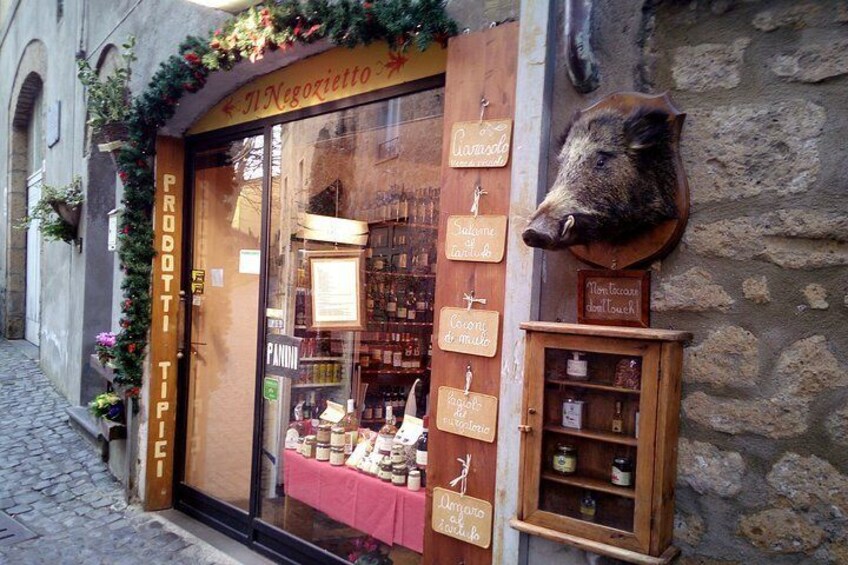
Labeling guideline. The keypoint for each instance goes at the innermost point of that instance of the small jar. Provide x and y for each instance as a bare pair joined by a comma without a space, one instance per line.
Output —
413,481
323,435
622,472
309,447
398,454
385,472
337,456
565,459
399,475
300,442
337,436
588,506
322,452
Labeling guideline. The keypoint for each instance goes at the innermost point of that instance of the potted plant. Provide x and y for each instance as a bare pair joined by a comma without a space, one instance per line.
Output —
107,405
57,211
108,99
103,344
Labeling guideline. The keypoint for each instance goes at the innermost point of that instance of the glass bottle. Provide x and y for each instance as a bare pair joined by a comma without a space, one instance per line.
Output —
391,304
588,506
411,306
617,419
401,305
386,435
350,423
421,452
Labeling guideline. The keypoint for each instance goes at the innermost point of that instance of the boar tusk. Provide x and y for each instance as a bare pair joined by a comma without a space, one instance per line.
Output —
569,223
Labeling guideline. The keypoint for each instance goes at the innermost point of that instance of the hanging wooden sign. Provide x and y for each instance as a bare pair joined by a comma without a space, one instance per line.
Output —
481,239
614,298
465,518
474,332
474,415
481,143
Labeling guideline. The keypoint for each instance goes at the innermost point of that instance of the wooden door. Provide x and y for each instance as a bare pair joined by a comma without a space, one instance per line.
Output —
32,325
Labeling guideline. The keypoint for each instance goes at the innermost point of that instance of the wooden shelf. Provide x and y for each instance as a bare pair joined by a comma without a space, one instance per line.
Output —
108,373
590,484
608,437
397,323
400,274
593,386
400,223
643,334
321,359
394,371
315,385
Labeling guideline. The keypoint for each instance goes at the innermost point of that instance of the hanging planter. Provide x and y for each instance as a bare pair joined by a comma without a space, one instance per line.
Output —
58,212
111,137
69,213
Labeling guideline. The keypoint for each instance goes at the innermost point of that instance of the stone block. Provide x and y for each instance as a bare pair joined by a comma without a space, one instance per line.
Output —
837,425
793,239
756,290
734,152
813,63
688,528
707,469
765,417
809,482
728,357
692,291
816,296
708,66
807,368
799,16
781,530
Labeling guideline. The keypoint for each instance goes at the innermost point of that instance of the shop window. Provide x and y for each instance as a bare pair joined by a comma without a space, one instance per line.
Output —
351,274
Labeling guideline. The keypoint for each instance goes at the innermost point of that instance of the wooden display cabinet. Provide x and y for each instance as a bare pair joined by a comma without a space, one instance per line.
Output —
632,523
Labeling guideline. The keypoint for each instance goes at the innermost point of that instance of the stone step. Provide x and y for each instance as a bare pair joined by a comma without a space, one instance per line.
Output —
81,419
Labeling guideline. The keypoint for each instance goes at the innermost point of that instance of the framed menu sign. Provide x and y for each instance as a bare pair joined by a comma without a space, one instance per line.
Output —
337,282
474,332
614,298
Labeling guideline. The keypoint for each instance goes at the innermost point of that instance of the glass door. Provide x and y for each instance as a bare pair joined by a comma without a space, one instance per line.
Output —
224,302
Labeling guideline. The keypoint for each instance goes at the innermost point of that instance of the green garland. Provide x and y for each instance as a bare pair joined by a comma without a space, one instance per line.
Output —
249,35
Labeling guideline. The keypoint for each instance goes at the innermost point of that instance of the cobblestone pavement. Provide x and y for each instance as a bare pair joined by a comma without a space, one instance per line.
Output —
54,483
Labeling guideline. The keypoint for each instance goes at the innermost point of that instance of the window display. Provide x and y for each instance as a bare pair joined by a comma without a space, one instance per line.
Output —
345,444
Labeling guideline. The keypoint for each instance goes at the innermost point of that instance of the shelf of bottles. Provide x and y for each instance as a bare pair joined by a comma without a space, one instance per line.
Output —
400,287
589,442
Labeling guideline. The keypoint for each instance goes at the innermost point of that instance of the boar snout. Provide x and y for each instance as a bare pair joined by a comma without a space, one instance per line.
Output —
548,232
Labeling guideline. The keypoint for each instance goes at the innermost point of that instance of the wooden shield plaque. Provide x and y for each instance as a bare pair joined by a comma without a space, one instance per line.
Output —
658,241
474,415
462,517
481,239
474,332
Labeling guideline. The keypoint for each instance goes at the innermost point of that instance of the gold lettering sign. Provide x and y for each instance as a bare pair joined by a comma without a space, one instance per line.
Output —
474,332
481,239
480,144
465,518
474,415
332,75
161,415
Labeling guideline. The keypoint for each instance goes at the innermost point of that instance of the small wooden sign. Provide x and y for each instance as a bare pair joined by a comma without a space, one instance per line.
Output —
465,518
474,332
481,239
474,415
614,298
480,143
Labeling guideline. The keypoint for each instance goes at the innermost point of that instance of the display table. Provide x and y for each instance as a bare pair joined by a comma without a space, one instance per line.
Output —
393,515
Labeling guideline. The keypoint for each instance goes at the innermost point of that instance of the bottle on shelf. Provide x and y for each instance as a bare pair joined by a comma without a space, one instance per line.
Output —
297,428
402,303
386,435
391,304
350,423
377,412
411,310
617,419
397,352
421,452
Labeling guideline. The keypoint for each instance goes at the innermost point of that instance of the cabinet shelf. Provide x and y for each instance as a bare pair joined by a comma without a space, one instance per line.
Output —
594,435
394,371
315,385
398,274
590,484
593,386
321,359
397,323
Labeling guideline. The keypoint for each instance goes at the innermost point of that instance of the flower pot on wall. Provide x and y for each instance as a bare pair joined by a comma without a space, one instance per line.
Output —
70,214
111,137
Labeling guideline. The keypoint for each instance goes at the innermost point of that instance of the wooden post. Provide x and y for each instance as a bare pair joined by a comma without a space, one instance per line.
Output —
479,65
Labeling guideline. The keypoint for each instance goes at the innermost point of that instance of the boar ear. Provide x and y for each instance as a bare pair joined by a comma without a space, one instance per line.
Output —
646,128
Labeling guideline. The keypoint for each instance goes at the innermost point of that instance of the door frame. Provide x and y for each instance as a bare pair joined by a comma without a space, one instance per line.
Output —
248,528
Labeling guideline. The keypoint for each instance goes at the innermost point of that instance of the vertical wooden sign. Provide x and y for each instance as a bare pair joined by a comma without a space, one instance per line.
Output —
479,64
162,388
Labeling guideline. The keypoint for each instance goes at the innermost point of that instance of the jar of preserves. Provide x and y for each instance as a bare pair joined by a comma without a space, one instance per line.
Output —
324,431
398,454
622,472
309,447
337,436
337,456
399,475
385,472
565,459
322,452
413,481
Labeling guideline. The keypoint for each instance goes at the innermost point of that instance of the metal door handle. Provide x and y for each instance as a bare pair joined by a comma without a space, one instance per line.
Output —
181,326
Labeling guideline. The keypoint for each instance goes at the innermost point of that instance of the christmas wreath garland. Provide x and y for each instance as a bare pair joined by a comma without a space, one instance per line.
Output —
248,36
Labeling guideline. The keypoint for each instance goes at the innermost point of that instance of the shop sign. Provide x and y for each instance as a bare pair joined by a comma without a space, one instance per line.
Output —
481,239
471,415
164,329
614,298
481,143
270,388
333,75
474,332
465,518
282,355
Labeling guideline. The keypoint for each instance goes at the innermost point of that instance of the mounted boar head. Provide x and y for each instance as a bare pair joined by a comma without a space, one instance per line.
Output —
616,178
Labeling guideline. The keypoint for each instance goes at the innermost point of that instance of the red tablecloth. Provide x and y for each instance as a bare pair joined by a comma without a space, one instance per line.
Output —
393,515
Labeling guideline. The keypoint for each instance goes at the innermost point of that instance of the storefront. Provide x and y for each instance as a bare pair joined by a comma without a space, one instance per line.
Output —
299,231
